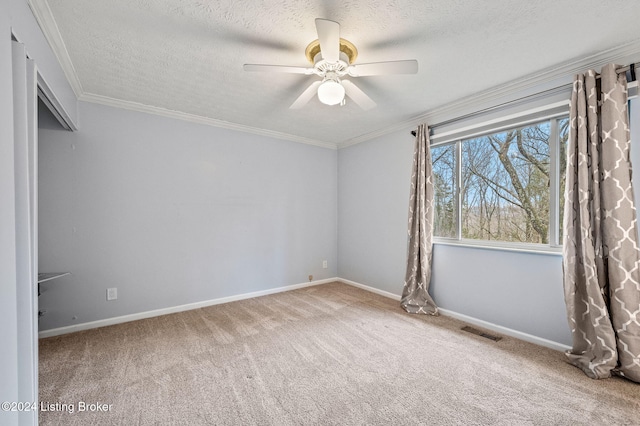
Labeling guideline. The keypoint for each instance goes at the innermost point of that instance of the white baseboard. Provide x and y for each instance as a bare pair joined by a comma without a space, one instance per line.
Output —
171,310
371,289
471,320
506,331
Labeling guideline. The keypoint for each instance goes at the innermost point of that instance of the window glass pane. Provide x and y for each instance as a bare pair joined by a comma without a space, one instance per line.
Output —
443,160
505,185
563,131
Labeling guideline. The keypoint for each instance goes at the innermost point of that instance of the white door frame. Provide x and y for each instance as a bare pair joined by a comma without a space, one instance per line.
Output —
28,86
25,126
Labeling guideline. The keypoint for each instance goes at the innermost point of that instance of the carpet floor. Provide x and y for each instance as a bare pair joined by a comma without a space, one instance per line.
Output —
325,355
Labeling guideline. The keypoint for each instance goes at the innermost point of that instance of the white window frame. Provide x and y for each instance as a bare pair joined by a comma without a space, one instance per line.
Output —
456,134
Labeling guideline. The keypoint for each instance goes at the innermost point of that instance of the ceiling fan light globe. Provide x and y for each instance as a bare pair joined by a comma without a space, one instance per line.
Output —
331,92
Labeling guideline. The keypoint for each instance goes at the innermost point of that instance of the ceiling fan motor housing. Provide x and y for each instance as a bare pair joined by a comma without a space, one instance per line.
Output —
339,68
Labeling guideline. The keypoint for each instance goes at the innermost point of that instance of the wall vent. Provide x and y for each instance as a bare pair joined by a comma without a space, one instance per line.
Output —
481,333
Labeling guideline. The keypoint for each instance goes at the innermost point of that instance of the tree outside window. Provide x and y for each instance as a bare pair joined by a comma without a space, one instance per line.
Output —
505,185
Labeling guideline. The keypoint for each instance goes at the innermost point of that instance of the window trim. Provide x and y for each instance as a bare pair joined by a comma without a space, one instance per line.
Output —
554,184
523,119
500,245
551,112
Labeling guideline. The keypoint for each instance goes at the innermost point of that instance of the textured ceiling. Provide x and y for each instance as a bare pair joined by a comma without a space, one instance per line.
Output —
187,55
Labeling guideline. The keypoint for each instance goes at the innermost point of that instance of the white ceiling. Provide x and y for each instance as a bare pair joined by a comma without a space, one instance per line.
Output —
187,55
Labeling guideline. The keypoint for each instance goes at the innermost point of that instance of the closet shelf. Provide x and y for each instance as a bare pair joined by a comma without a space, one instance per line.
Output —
48,276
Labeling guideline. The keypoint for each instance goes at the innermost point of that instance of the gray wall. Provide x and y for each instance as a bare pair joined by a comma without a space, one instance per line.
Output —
521,291
373,201
171,213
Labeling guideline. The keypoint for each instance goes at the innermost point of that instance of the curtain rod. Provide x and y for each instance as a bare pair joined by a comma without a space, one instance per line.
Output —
631,68
498,106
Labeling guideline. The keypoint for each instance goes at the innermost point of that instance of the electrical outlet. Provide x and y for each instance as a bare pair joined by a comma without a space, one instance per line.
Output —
310,278
325,264
112,293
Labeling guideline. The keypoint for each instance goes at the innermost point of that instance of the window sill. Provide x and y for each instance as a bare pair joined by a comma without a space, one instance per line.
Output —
503,246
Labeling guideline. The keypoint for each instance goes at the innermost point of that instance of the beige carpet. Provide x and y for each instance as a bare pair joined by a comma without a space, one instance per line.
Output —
326,355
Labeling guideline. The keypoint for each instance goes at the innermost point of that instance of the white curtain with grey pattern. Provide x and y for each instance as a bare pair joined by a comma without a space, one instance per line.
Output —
415,294
601,258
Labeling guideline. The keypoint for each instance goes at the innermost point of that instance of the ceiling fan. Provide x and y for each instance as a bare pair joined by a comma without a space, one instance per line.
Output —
332,58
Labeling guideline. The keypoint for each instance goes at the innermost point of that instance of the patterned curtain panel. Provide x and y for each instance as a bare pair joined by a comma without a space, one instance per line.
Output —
601,257
415,294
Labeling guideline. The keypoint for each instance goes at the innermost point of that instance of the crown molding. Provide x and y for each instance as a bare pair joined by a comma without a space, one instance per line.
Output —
49,27
550,78
135,106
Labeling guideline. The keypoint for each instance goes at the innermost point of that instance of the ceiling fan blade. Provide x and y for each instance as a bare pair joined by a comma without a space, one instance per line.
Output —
358,96
329,37
278,68
409,66
306,96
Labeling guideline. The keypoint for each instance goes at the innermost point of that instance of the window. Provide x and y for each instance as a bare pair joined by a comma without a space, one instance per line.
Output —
503,187
444,197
